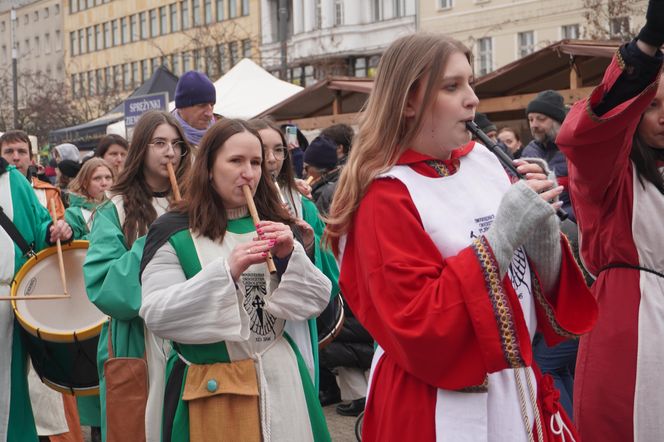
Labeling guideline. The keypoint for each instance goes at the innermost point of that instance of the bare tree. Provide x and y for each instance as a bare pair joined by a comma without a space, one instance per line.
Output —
610,19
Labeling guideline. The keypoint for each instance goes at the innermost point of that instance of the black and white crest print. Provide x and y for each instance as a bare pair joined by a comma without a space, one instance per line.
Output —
262,322
517,273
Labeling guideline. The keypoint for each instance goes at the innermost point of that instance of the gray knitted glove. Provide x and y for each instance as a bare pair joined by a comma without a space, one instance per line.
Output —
520,213
543,249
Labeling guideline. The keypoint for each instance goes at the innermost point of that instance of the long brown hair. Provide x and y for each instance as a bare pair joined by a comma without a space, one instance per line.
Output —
286,176
207,214
79,185
384,134
131,184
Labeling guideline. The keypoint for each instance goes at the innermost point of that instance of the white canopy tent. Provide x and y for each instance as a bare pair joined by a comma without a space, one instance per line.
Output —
243,92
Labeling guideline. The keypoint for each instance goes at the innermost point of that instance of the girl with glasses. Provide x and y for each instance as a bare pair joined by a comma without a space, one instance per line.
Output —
141,194
206,287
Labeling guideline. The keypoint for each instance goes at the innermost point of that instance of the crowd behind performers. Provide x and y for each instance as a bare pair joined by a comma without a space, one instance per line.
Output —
469,318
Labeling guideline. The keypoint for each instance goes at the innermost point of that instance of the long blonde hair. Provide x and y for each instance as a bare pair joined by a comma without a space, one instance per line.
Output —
80,184
384,134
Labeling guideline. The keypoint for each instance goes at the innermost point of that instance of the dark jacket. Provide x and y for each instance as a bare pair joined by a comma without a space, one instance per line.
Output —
557,162
322,191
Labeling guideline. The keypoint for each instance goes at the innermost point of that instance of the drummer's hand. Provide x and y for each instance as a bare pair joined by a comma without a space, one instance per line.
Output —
307,233
303,187
247,254
280,233
60,231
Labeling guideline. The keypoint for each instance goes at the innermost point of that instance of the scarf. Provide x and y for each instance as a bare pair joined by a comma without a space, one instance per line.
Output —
192,134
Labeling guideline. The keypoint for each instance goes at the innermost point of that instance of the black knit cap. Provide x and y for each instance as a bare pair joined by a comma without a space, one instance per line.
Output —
484,123
549,103
321,153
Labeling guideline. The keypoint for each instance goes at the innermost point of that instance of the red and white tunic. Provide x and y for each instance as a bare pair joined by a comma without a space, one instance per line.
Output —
454,340
618,394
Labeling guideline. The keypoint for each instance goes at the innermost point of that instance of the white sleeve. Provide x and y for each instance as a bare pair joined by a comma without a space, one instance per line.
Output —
303,292
202,310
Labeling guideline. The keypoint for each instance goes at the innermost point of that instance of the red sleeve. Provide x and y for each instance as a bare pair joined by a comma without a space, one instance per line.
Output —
571,310
435,317
598,148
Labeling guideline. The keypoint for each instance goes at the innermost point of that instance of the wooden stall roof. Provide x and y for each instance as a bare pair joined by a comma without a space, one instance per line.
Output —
572,67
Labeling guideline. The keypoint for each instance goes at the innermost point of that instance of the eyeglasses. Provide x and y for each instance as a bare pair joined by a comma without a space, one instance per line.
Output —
279,152
162,146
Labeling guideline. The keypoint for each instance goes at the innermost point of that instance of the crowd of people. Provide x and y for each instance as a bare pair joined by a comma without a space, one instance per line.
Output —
251,276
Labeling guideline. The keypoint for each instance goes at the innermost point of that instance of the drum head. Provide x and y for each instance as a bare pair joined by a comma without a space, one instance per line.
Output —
56,319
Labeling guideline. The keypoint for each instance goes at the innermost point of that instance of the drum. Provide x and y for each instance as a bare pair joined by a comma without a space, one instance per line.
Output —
61,335
330,321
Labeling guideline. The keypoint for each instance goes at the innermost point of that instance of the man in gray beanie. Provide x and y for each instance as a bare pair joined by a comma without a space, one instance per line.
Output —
195,97
545,113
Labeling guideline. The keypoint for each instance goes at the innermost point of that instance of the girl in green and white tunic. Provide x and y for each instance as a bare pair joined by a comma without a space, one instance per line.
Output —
86,192
141,194
235,373
307,217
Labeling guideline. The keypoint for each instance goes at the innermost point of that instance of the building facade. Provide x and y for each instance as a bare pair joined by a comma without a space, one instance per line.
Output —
501,31
38,31
112,46
333,37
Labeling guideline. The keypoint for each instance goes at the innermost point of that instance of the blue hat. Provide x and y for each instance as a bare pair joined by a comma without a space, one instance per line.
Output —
321,153
194,88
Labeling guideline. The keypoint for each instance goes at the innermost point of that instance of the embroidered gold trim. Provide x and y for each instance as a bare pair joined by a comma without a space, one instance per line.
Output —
500,303
481,388
620,60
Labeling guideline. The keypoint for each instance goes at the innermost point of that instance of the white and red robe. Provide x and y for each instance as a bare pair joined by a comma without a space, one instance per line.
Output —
420,276
618,394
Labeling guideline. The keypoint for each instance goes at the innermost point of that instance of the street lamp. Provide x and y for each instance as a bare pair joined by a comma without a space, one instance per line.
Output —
14,64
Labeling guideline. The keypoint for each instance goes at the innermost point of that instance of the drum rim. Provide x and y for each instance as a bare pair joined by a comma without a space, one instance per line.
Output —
50,336
74,391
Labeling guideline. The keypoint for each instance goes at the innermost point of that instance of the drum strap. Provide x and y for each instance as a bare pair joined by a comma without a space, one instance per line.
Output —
7,224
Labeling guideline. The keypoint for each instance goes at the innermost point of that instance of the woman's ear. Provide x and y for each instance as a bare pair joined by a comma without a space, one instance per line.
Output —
410,110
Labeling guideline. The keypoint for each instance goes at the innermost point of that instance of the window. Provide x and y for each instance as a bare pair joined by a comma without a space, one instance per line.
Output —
221,53
444,4
27,47
186,62
184,8
399,8
73,6
619,27
2,26
484,55
91,38
154,64
37,46
135,74
109,83
196,11
338,12
26,19
58,41
100,81
569,32
211,66
116,84
73,85
173,9
175,64
108,37
91,83
233,52
145,73
245,7
154,24
81,41
46,12
56,9
47,43
143,23
318,23
309,77
525,43
208,11
232,8
116,33
163,20
133,27
376,10
220,10
90,3
246,48
99,32
197,60
73,43
36,16
126,76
